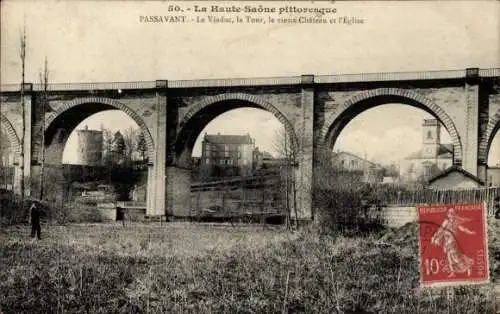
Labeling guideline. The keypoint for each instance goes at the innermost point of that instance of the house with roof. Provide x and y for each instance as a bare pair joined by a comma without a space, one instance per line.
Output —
433,156
454,178
225,155
368,171
346,161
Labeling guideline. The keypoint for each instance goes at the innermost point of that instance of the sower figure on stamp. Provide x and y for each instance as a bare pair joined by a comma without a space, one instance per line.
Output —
35,221
456,261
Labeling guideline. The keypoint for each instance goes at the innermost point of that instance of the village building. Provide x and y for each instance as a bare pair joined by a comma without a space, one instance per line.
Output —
368,171
432,158
229,154
454,178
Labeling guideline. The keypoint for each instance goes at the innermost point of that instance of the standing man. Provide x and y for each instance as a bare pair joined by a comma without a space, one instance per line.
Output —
35,221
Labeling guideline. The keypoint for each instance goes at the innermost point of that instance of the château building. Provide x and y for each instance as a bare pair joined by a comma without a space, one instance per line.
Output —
225,152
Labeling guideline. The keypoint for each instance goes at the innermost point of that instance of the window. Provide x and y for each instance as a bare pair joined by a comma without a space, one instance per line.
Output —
244,161
226,148
427,170
429,135
207,161
226,153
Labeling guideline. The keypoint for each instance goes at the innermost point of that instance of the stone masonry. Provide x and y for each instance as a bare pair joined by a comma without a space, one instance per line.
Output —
313,110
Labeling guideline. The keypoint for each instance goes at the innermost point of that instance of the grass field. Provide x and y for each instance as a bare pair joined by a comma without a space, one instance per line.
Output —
197,268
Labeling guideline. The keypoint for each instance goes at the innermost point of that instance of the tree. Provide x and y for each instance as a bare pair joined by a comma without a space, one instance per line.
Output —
141,146
22,54
129,139
118,148
44,78
286,153
107,140
282,144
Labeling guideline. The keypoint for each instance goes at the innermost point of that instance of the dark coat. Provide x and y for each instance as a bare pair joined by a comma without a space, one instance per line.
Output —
35,214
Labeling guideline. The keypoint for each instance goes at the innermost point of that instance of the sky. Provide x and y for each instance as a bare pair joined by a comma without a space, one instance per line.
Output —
263,124
90,41
382,143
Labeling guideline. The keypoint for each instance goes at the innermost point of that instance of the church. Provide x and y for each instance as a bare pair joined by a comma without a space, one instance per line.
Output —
432,158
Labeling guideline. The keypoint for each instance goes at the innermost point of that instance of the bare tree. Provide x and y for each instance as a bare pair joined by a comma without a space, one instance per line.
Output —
129,138
44,79
22,54
287,154
107,139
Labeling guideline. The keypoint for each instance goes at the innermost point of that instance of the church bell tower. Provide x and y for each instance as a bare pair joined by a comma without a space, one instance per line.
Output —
431,138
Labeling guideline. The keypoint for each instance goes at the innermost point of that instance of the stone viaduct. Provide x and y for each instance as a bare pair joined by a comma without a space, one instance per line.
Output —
313,110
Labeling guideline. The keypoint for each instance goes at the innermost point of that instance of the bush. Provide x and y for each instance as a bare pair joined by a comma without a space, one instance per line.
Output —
346,211
13,211
344,203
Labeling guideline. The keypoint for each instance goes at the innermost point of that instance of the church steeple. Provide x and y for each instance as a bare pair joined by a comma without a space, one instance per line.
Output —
431,137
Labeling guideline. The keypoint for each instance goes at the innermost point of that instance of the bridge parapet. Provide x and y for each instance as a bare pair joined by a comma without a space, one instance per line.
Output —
262,81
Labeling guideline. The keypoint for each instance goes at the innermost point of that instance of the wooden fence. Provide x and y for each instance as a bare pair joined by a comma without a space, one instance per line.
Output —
236,197
236,183
427,196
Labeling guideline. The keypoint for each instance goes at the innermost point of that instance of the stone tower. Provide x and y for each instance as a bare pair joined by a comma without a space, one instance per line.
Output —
431,138
89,151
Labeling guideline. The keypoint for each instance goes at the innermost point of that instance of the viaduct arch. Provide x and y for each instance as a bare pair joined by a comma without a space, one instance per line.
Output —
101,103
12,136
209,108
485,144
190,127
372,98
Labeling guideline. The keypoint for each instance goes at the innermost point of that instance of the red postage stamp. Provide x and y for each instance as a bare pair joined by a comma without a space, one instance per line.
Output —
453,244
